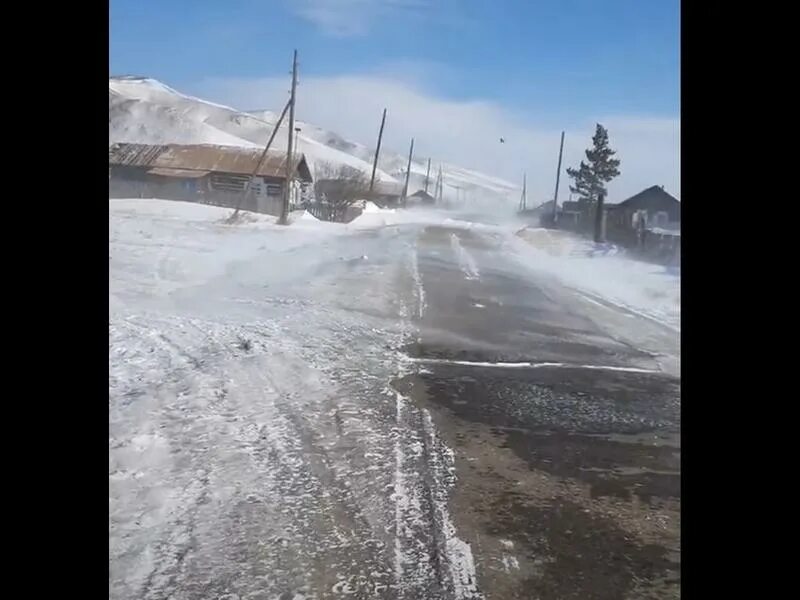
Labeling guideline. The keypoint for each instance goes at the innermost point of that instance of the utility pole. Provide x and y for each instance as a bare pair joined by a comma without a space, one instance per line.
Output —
408,172
246,189
427,175
377,152
284,219
441,186
294,160
558,176
523,200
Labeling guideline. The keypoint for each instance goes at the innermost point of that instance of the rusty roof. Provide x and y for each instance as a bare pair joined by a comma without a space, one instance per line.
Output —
205,157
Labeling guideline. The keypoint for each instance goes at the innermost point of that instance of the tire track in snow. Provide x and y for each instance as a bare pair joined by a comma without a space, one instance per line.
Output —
460,564
261,424
420,290
324,514
431,561
296,439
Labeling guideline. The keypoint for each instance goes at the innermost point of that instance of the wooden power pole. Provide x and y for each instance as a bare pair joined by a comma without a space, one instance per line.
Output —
377,152
440,195
427,175
558,176
408,172
284,219
249,183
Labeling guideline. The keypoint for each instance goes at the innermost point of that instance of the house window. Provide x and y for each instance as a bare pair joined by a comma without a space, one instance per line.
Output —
229,183
661,219
274,189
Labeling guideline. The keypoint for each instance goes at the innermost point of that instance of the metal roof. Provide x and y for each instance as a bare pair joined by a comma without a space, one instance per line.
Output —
208,158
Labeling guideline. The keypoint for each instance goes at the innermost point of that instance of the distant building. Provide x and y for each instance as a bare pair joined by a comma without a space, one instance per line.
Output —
202,173
650,222
541,214
571,215
386,194
541,209
652,208
422,197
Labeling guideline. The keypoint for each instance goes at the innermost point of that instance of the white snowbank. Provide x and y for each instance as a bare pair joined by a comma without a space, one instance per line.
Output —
663,231
371,207
602,272
367,220
302,215
374,216
175,209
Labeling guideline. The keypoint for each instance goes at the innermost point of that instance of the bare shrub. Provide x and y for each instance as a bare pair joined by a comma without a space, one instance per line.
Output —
338,187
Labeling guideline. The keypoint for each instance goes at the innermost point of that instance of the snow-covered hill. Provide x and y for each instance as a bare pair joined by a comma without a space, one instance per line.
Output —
472,183
144,110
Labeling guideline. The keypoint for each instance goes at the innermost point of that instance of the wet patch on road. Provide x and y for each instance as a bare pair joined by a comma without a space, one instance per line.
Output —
588,516
566,400
565,438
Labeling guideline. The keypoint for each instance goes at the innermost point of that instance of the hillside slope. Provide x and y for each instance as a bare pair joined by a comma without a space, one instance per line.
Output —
145,110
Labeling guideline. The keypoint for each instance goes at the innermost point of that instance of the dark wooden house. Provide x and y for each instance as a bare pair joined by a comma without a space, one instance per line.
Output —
650,208
386,194
572,215
650,222
202,173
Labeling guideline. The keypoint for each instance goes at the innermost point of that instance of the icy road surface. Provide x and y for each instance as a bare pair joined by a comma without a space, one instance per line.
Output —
275,429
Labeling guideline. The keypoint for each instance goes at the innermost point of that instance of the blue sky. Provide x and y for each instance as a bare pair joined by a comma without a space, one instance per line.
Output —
542,63
551,56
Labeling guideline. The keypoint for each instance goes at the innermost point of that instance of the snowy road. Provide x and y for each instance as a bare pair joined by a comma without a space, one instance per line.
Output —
387,412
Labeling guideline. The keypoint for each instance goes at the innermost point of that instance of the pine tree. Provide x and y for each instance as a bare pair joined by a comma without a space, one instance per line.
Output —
589,179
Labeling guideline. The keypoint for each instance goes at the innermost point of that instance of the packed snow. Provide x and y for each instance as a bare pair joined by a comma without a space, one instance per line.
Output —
255,441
